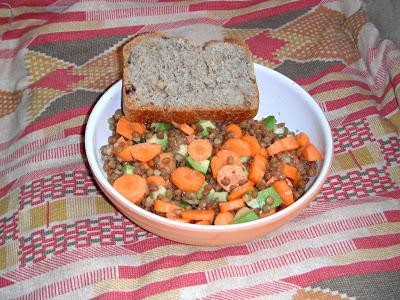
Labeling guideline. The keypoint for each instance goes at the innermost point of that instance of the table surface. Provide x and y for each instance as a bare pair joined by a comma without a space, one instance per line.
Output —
60,237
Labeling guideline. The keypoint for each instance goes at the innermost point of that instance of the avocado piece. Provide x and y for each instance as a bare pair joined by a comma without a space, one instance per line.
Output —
244,159
199,165
244,215
163,142
262,196
183,204
161,126
269,122
161,191
217,196
183,150
206,124
127,169
200,191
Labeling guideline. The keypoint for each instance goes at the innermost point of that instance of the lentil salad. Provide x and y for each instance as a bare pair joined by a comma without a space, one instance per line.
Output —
210,173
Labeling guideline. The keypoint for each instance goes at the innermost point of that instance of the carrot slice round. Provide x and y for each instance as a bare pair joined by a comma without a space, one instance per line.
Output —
187,180
167,160
133,187
200,149
156,180
145,151
241,147
231,205
230,175
199,215
223,218
221,159
126,128
254,144
311,153
165,207
241,190
235,129
257,168
290,172
303,139
284,192
121,150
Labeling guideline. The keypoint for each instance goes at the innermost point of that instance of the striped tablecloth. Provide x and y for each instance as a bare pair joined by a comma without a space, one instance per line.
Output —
59,236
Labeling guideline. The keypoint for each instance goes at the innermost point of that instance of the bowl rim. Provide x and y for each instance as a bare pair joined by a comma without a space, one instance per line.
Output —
313,189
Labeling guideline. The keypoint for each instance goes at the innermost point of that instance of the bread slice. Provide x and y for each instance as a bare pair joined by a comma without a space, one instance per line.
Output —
168,79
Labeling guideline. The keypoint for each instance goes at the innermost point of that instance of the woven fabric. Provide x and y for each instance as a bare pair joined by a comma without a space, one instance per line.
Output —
60,237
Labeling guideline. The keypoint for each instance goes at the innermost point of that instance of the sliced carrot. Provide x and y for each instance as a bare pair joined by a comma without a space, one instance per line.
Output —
223,218
241,147
257,168
184,127
231,205
264,152
165,207
235,129
145,151
199,215
133,187
204,222
254,144
221,159
268,213
187,180
284,192
302,139
156,180
126,128
311,153
290,172
230,175
174,217
167,161
241,190
121,150
200,149
288,143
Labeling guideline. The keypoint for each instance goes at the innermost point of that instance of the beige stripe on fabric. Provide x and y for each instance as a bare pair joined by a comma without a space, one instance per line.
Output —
387,228
155,276
368,254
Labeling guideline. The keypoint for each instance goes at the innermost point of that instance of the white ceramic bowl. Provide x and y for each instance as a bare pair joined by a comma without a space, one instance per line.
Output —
279,96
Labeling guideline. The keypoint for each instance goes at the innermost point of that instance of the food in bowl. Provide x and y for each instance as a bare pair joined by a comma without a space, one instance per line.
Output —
209,172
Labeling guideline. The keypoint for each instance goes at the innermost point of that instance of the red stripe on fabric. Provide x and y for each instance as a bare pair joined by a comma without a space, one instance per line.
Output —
43,123
5,189
8,53
392,215
272,11
191,279
29,16
338,84
16,33
5,282
331,272
148,244
222,5
379,241
32,3
77,130
80,35
129,272
392,194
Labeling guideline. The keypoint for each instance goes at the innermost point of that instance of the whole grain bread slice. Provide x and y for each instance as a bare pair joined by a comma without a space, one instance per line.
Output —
169,79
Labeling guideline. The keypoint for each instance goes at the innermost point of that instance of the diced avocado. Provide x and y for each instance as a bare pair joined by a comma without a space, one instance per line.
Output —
161,126
127,169
244,215
161,191
269,122
244,159
163,142
262,196
199,165
251,216
200,191
280,129
183,204
206,124
217,196
183,150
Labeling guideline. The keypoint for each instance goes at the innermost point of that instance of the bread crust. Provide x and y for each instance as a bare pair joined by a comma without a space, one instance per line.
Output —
144,114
